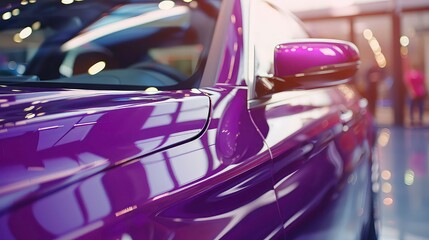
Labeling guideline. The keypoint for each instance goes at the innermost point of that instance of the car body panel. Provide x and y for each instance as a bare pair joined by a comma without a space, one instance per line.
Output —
300,131
63,135
319,152
215,186
291,165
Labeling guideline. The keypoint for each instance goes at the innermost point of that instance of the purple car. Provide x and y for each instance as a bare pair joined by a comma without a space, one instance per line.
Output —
206,119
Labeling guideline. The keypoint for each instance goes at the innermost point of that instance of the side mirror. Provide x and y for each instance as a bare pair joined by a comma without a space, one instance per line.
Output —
308,64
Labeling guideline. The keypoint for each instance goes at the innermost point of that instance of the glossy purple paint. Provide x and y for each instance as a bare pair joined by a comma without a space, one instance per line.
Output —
291,59
59,134
185,164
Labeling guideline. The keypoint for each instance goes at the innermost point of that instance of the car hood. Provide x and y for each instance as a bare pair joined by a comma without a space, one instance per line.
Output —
51,137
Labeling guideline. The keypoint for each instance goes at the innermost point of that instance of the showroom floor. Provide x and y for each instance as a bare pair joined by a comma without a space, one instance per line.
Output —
404,189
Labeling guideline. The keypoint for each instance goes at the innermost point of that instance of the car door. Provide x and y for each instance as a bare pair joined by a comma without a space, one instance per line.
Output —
215,185
316,137
321,162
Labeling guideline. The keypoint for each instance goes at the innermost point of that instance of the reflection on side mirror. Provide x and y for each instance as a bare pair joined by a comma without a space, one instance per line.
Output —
309,64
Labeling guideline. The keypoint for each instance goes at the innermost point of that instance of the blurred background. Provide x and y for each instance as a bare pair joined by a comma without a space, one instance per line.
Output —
393,39
392,36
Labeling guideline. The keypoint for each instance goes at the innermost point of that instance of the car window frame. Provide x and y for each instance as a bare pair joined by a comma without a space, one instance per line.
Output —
250,44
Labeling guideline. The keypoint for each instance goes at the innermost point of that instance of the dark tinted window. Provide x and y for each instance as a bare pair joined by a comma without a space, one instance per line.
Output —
140,43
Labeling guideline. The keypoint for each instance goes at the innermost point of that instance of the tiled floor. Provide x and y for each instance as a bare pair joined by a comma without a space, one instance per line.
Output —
404,191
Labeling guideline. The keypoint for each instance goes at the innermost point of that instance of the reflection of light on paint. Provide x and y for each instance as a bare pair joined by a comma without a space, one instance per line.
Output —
384,137
91,112
29,108
327,52
405,41
84,124
233,19
30,115
20,123
126,210
50,127
386,188
126,236
161,196
386,175
151,90
409,177
24,2
96,68
36,168
194,90
388,201
367,34
166,4
187,1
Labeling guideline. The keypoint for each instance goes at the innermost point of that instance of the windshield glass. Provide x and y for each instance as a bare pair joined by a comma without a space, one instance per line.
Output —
113,43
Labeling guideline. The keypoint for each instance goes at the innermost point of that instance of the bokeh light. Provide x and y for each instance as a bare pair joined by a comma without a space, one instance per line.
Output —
166,4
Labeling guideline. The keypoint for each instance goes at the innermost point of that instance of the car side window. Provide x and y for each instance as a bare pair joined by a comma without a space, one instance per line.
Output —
272,24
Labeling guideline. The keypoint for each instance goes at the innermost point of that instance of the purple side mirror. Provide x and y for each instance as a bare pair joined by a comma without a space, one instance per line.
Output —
309,64
313,56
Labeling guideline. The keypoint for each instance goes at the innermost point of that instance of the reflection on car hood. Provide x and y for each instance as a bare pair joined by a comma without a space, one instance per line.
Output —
50,137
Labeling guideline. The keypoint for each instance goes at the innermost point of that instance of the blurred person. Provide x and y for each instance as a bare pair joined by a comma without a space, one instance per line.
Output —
415,84
374,75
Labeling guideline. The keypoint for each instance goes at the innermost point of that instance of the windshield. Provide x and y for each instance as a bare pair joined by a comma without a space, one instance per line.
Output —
72,43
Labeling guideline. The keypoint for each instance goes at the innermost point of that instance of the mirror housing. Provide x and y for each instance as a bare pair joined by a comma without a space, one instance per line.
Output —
309,64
